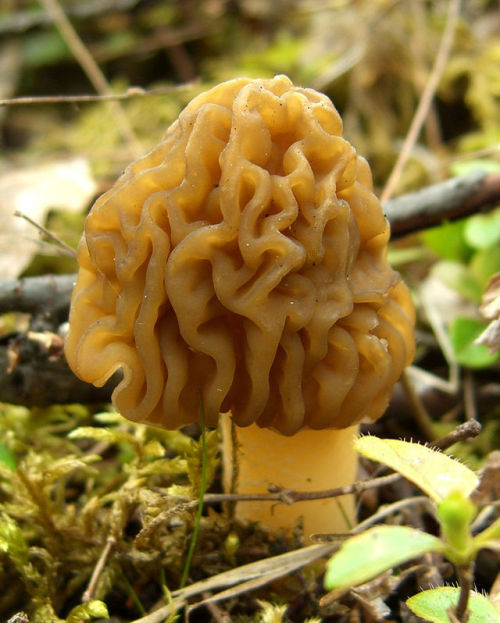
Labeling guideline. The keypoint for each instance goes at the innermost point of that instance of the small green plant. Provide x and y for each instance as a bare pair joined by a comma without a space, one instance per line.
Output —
469,254
449,485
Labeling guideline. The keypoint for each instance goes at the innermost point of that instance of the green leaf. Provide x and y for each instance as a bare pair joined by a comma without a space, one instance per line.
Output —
463,167
7,458
455,514
460,278
448,241
432,606
484,264
44,48
483,230
463,333
366,555
489,537
91,610
434,472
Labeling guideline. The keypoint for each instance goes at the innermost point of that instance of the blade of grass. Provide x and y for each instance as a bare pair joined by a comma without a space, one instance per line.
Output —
133,595
91,69
426,97
203,486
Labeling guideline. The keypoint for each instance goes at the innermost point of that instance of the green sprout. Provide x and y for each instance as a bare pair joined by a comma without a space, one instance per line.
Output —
449,485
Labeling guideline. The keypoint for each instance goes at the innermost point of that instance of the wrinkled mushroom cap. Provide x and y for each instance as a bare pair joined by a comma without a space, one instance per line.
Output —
243,260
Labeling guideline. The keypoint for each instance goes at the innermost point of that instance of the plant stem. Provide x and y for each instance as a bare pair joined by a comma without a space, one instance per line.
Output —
426,98
465,578
203,487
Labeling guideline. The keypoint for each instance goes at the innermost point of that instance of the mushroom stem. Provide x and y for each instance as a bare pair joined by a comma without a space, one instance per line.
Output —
310,460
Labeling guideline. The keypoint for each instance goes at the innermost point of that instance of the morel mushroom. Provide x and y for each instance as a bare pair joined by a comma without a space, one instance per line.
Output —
243,260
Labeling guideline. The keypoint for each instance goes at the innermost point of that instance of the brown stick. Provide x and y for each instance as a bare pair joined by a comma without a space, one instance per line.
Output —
130,93
456,198
426,98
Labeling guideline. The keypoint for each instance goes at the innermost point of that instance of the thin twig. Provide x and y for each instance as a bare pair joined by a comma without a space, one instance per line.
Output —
219,616
130,93
287,496
419,412
66,249
467,430
426,98
88,595
91,69
381,514
469,393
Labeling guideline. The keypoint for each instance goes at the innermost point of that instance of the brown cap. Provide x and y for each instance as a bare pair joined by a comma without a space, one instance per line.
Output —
243,260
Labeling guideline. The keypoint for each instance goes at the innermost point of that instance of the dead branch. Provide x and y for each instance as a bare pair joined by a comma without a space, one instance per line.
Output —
447,201
426,98
130,93
48,295
33,372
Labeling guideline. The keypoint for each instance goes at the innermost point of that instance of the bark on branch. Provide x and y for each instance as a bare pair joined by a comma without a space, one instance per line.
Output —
456,198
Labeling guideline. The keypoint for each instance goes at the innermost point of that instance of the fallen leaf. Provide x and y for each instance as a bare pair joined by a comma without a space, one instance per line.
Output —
490,308
34,192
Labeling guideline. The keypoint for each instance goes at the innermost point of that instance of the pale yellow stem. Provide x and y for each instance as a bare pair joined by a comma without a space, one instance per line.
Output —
308,461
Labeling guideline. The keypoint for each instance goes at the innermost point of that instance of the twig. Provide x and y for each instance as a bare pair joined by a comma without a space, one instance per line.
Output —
381,514
65,248
470,406
41,376
130,93
467,430
35,295
455,198
426,98
88,595
287,496
220,616
91,69
417,407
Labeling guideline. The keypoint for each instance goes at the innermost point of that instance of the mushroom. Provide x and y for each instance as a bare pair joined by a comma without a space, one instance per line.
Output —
243,260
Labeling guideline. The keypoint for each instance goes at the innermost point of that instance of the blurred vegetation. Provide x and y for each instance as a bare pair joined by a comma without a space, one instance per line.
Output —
371,58
64,493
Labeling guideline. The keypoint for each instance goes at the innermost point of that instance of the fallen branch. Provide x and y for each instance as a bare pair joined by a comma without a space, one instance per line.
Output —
456,198
46,296
34,372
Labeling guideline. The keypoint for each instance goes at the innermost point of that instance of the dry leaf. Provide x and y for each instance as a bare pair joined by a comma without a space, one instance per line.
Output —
35,191
490,308
248,577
